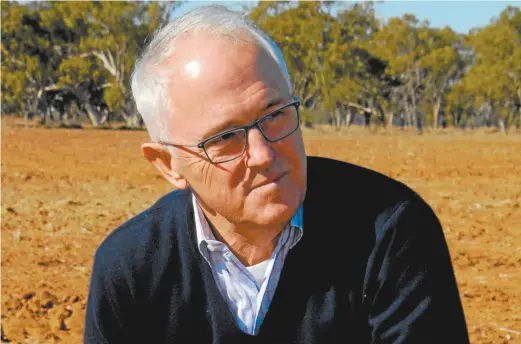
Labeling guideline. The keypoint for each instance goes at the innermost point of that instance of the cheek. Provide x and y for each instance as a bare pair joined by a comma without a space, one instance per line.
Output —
295,156
198,173
293,151
221,181
207,173
236,174
299,145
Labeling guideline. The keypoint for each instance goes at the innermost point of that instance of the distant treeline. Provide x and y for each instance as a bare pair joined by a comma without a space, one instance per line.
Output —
75,58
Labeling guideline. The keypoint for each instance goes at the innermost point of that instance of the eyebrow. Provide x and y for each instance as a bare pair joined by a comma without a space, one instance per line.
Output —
235,124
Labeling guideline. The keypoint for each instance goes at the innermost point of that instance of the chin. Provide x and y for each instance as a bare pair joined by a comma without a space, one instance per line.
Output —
273,213
273,205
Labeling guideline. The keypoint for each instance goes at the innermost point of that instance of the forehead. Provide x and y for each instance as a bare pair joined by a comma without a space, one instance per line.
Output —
215,80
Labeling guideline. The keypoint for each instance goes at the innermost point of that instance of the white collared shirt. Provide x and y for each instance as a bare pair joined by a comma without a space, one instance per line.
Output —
248,291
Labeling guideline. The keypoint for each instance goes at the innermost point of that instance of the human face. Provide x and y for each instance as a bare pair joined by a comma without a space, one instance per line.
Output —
218,85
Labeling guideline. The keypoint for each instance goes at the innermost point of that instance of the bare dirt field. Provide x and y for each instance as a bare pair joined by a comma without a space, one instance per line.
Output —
64,190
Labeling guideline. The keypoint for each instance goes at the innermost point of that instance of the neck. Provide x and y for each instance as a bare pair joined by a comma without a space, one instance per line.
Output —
249,243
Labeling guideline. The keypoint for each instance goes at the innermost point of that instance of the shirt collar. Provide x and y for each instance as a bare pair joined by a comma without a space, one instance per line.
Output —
204,233
298,219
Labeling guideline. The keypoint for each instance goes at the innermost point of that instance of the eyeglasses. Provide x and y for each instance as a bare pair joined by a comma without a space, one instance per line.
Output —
231,144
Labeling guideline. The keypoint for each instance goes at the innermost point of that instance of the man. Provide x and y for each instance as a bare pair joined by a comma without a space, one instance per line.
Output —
259,243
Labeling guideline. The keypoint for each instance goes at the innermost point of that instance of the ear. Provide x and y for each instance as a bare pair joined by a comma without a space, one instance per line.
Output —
161,158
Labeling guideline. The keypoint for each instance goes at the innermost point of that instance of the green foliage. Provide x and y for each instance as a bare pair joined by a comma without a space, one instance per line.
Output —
114,97
25,64
495,77
325,59
108,46
298,31
338,60
48,45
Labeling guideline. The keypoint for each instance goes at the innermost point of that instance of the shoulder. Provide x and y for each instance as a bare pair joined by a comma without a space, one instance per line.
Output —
364,212
342,194
142,238
346,183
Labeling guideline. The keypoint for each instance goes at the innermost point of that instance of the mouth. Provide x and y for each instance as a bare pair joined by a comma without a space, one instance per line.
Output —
271,180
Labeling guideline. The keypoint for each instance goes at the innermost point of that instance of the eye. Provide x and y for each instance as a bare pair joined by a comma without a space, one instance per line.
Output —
231,139
275,115
227,136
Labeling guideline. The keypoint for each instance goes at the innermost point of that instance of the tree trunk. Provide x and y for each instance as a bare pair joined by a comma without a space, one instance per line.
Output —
517,118
137,121
390,117
31,109
419,125
517,114
416,115
502,124
436,112
367,119
402,121
131,115
413,118
104,115
350,116
34,105
132,119
407,115
338,118
383,117
44,113
93,115
46,116
75,111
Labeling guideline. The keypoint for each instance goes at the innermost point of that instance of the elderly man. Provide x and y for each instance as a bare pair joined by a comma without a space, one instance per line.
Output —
259,243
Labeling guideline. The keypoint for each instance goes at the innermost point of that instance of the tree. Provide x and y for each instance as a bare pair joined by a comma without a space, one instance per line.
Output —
301,33
495,78
329,68
350,74
443,65
116,32
48,45
32,49
401,43
459,106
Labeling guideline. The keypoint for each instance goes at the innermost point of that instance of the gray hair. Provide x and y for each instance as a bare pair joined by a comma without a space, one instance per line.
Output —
149,83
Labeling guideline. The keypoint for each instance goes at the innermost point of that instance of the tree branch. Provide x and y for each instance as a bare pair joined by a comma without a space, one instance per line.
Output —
110,57
359,107
106,63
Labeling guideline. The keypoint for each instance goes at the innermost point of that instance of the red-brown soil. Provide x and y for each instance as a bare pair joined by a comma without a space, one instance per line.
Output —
64,190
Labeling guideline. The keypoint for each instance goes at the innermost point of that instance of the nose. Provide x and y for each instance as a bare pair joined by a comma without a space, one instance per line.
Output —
259,152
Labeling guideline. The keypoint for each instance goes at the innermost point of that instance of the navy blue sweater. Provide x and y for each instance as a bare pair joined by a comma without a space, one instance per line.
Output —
372,267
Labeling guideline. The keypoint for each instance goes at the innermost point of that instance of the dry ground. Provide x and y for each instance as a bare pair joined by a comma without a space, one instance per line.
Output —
64,190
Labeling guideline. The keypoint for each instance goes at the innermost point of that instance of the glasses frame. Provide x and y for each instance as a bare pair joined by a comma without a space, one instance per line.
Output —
256,124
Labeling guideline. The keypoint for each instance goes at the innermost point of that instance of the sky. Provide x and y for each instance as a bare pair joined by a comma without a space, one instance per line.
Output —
460,15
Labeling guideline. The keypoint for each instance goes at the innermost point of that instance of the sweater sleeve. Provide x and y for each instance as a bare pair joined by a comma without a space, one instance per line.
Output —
109,303
410,293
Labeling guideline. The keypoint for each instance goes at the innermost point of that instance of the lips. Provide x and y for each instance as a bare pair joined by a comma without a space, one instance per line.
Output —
271,180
